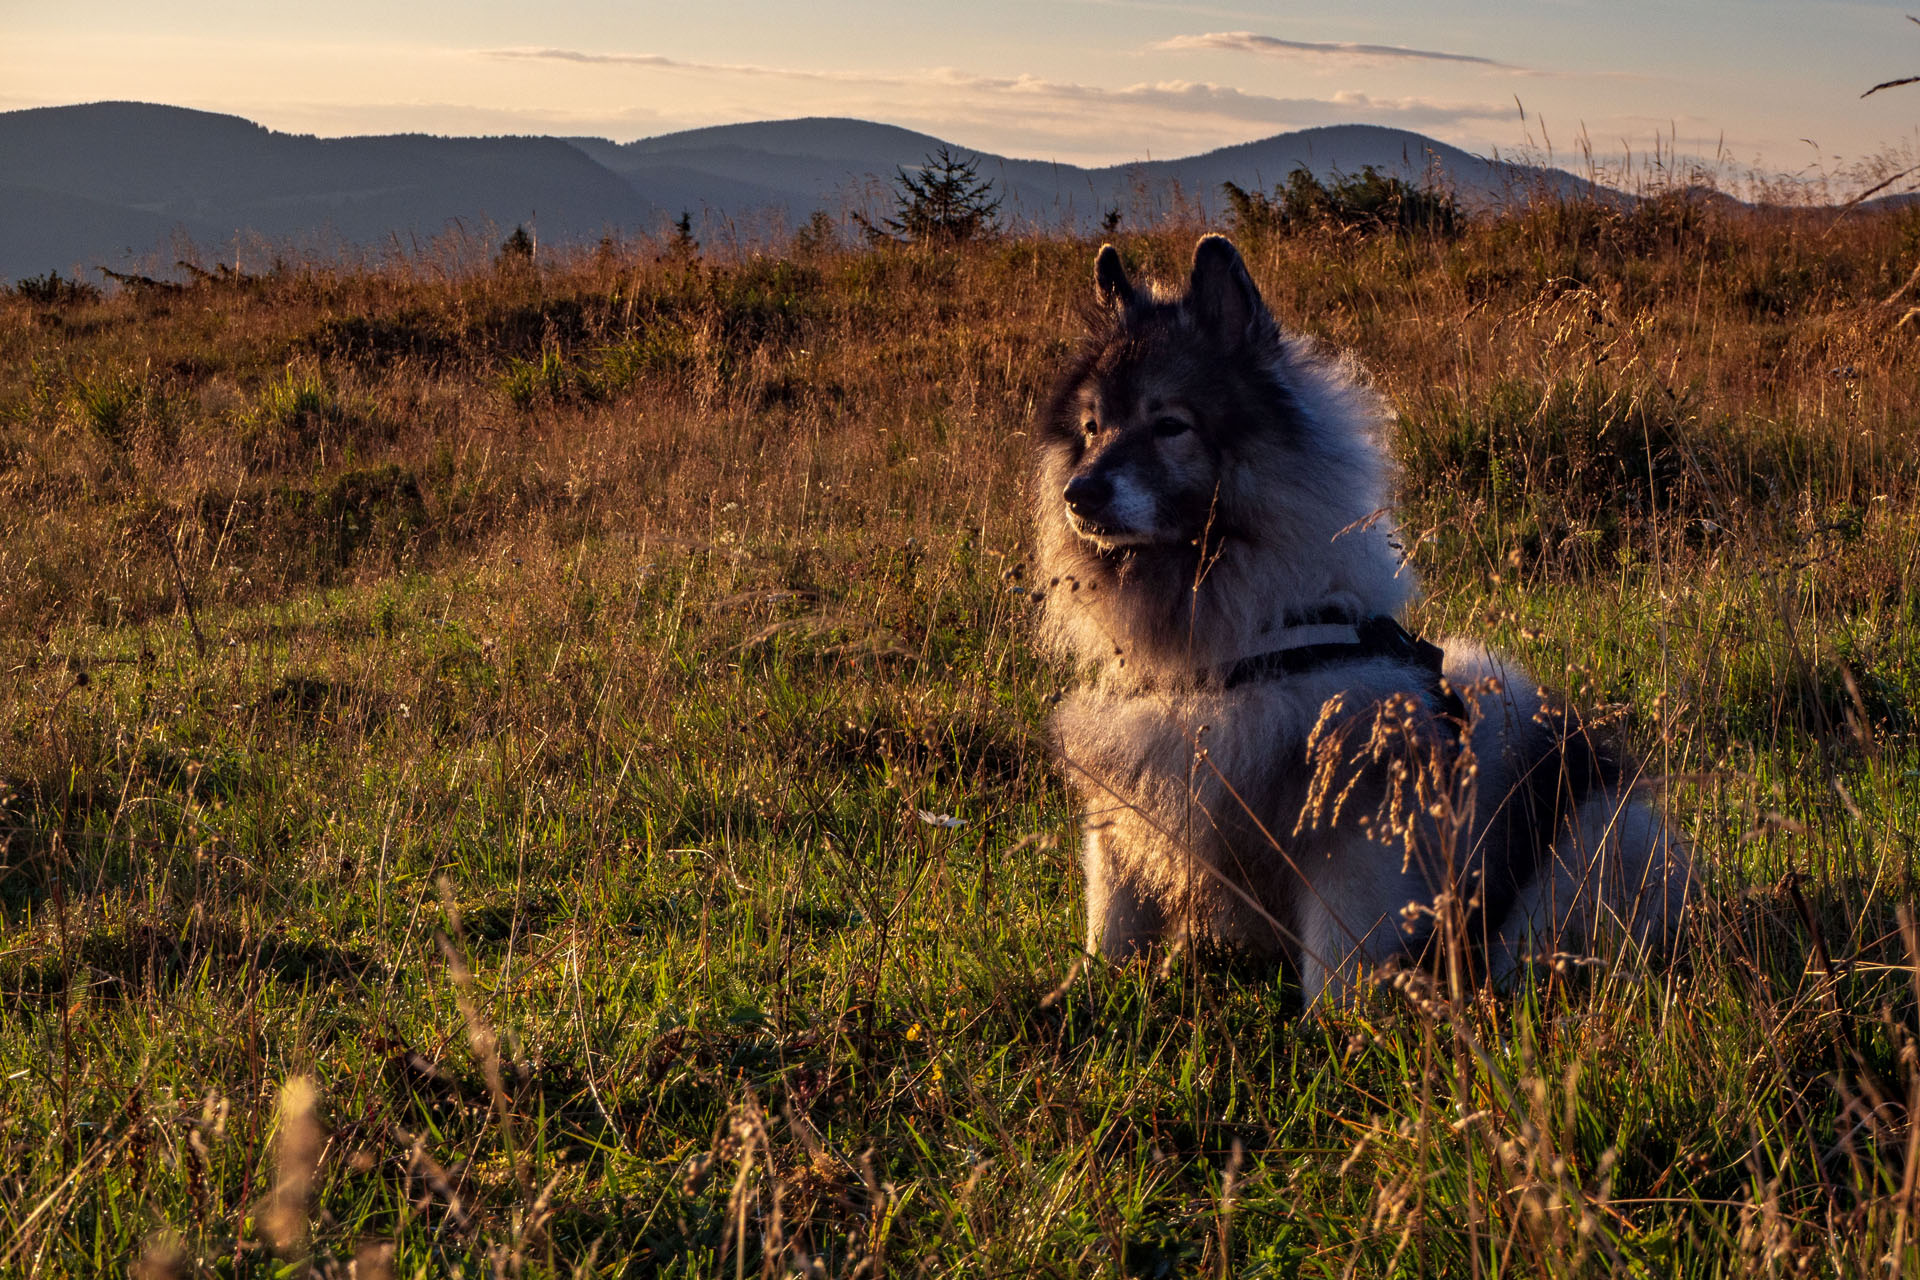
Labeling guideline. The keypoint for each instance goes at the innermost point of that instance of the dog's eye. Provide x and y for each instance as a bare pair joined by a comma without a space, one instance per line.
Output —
1167,428
1090,428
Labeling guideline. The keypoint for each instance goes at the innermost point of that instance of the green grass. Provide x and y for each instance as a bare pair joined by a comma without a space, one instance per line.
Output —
559,781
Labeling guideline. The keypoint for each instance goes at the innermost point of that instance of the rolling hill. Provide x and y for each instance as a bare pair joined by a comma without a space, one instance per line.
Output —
120,183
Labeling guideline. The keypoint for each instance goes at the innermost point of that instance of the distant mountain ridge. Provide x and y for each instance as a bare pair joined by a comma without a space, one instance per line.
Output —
820,157
216,176
112,183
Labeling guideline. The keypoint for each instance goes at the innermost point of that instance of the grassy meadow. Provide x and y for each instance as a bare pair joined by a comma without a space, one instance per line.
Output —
538,769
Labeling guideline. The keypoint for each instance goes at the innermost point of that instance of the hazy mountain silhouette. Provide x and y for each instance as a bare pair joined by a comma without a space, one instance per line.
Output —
1350,148
816,162
115,183
822,162
215,176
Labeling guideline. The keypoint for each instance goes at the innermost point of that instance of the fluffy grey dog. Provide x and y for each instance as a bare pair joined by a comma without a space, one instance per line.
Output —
1266,757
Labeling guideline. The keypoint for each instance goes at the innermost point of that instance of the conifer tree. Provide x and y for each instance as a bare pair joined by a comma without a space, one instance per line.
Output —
947,202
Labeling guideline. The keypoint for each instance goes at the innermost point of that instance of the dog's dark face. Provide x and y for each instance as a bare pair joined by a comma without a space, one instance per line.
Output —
1146,424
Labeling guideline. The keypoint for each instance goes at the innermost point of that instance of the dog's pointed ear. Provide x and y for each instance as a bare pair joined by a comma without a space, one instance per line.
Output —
1222,297
1111,278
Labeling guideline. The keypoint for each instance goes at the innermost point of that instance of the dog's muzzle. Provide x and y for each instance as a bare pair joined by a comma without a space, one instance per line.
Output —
1087,496
1094,512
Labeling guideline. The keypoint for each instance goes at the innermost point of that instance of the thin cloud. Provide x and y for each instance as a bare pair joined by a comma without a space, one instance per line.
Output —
1274,46
1185,97
1225,101
662,62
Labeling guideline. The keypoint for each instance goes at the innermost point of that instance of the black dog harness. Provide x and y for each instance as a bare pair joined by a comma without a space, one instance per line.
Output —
1382,636
1375,636
1563,766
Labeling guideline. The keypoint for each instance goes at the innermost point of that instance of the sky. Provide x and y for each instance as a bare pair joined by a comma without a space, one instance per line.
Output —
1761,84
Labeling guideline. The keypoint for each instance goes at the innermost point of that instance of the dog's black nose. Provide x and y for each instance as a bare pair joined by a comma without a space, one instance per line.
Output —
1088,494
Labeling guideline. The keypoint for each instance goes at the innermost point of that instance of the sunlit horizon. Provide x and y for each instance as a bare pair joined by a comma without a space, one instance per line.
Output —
1765,86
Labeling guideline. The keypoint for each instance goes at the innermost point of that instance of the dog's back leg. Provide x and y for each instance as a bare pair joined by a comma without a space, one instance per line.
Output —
1619,875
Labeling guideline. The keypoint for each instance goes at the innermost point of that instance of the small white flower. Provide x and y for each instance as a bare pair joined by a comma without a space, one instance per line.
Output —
944,820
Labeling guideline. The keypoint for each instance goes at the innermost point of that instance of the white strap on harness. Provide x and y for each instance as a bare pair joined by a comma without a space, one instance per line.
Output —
1300,637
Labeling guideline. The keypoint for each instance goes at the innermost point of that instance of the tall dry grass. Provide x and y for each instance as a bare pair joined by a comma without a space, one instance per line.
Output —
507,698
